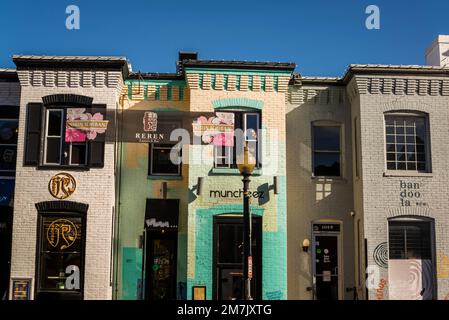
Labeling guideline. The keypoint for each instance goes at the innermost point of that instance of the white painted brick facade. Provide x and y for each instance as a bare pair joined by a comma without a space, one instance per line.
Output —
94,187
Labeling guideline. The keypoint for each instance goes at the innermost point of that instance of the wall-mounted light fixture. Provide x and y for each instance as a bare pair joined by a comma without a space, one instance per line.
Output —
164,188
306,245
276,184
199,186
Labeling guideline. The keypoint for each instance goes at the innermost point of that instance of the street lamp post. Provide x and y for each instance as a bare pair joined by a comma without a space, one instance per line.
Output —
246,169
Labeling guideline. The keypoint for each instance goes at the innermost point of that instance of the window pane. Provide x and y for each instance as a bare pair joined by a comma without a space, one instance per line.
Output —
53,148
326,164
391,156
391,165
252,126
326,138
421,157
401,166
8,156
161,161
223,156
400,139
400,130
54,123
400,148
408,141
230,238
411,157
53,266
421,166
390,130
410,240
411,148
78,154
391,139
400,156
61,247
8,132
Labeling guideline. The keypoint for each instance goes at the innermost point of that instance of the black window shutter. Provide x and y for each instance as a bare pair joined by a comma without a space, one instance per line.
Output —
33,134
96,147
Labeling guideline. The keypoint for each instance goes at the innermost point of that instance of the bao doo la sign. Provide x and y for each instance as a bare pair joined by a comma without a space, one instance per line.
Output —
62,186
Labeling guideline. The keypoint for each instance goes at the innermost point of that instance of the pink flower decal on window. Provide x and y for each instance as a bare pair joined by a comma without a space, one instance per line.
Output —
73,135
82,126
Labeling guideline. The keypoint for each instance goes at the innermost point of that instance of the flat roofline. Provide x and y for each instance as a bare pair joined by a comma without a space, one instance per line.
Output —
72,62
8,75
155,76
373,69
231,64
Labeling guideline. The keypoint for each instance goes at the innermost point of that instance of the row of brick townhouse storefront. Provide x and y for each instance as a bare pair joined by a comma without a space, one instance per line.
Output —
123,185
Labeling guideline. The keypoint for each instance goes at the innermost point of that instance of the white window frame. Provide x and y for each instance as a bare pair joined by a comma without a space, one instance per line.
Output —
155,146
413,116
228,157
85,156
244,129
47,114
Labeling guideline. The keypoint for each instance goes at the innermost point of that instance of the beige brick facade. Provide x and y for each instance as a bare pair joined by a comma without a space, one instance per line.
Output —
367,195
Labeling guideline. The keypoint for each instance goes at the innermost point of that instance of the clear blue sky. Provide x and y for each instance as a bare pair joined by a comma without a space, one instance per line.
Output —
322,36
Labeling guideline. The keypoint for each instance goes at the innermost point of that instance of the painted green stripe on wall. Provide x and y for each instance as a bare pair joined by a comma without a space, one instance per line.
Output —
225,81
213,81
157,94
238,79
169,93
201,80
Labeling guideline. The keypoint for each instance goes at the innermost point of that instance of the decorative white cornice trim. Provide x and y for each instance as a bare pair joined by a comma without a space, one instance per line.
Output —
318,96
399,86
72,79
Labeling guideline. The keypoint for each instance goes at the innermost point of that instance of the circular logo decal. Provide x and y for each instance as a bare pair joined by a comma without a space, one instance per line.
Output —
61,234
380,255
62,186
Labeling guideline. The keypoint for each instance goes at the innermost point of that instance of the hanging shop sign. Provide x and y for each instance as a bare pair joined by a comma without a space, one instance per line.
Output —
21,288
149,127
62,186
82,126
217,130
162,214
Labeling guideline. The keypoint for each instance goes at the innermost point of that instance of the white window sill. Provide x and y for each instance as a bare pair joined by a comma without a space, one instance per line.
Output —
330,179
408,174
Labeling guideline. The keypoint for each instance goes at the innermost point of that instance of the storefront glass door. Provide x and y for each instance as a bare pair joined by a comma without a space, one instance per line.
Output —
326,267
160,266
228,258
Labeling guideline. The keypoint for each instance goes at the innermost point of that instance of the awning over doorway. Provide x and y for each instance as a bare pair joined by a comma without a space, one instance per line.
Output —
162,214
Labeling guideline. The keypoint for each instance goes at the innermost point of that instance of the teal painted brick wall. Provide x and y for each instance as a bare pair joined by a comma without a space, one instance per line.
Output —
132,273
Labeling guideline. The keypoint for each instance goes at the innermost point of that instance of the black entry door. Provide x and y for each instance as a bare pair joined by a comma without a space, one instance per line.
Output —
228,258
160,265
326,267
5,249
